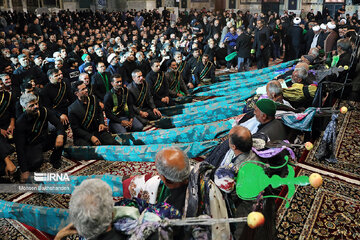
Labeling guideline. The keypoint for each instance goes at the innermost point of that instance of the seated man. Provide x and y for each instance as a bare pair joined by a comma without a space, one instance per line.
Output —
265,110
91,212
158,85
7,167
204,72
57,95
144,105
179,187
87,119
300,92
274,129
119,108
177,86
344,52
100,82
32,137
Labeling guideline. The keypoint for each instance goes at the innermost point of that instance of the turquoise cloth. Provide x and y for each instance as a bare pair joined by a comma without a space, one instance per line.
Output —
194,133
46,219
115,183
144,153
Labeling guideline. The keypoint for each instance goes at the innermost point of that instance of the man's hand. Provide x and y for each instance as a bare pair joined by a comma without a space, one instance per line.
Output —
66,231
190,85
101,105
24,176
102,127
64,119
4,132
95,141
165,100
179,95
10,168
10,129
157,112
143,114
261,47
125,123
59,142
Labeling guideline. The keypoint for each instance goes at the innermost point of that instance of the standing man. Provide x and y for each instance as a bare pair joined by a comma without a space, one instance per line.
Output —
261,48
230,41
243,47
87,119
144,104
32,136
295,33
119,108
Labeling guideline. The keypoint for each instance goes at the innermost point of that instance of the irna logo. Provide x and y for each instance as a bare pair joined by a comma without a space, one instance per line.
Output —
51,177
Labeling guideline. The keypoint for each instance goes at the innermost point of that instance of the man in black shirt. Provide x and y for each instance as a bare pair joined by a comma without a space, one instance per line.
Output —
32,137
57,95
144,104
87,119
119,108
101,82
158,85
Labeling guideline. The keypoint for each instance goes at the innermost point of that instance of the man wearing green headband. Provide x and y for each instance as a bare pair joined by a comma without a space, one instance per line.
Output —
265,110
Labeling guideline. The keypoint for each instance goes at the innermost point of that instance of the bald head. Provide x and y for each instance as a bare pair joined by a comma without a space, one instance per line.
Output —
240,139
173,164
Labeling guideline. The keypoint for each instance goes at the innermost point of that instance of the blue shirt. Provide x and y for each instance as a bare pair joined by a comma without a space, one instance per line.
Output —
231,39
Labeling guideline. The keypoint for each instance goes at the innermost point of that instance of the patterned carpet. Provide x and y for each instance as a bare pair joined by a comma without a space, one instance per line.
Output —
333,210
330,212
348,147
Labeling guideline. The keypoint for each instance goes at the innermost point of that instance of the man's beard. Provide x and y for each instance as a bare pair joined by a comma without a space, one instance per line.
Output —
83,98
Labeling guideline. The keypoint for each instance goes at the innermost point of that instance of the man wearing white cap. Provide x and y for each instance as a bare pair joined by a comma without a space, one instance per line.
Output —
114,67
332,37
315,39
296,36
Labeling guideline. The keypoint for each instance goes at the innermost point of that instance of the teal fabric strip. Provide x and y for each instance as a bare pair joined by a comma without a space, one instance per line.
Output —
46,219
115,183
195,133
144,153
220,113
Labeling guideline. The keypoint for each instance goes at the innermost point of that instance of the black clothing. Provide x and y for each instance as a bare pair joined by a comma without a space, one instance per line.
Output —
31,141
203,72
144,66
148,104
129,67
159,87
52,97
243,45
296,40
111,235
101,84
82,133
262,38
7,109
125,111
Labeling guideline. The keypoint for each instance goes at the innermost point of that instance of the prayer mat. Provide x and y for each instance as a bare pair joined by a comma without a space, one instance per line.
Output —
347,147
330,212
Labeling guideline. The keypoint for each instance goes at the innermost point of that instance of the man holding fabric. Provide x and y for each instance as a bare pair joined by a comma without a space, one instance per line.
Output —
144,105
87,119
119,108
100,82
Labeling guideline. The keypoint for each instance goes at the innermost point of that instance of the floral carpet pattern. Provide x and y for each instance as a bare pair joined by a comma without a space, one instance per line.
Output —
330,212
348,147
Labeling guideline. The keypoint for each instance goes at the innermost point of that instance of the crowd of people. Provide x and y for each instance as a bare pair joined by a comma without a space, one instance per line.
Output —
68,70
